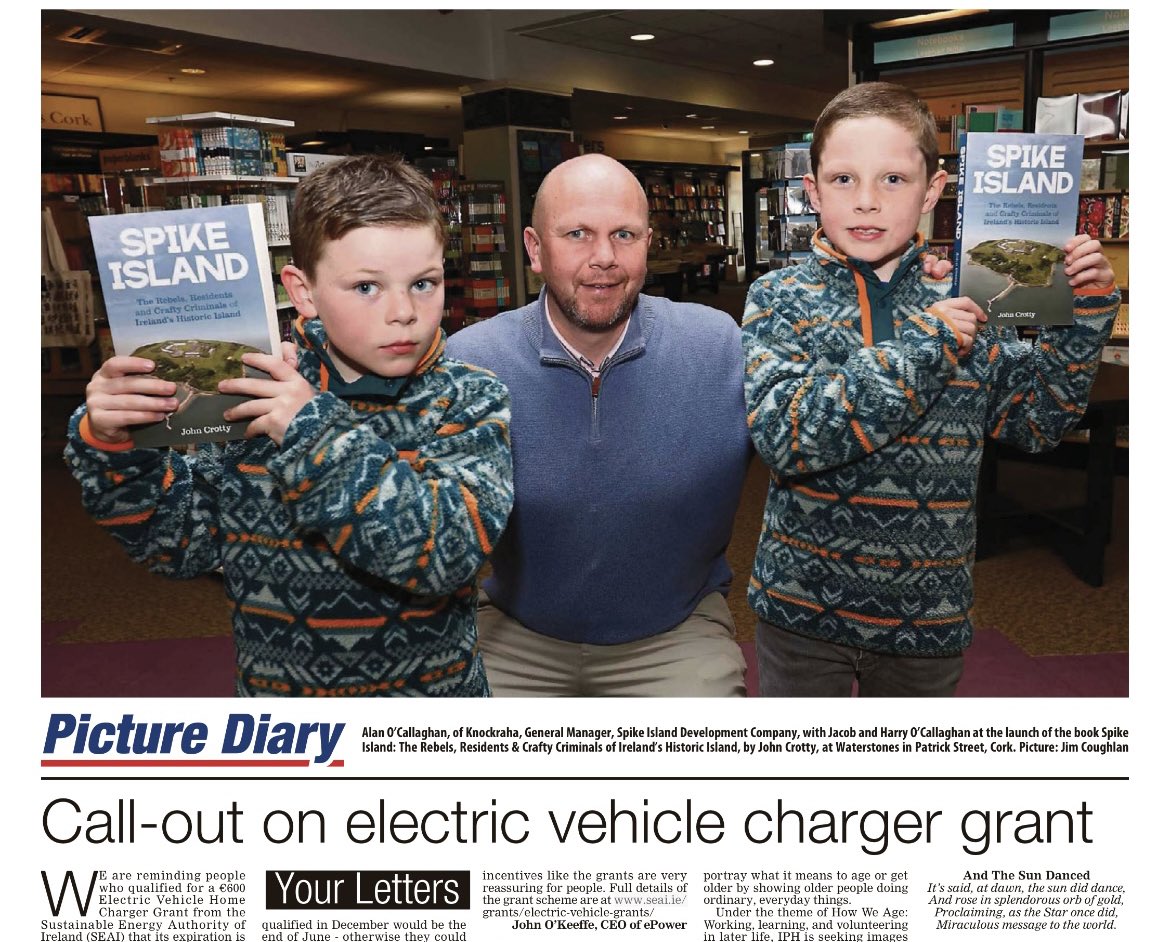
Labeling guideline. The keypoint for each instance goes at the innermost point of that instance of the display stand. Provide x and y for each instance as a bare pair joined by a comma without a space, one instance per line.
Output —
214,158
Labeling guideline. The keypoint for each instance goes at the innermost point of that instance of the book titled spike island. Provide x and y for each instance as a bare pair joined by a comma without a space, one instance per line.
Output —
191,290
1017,208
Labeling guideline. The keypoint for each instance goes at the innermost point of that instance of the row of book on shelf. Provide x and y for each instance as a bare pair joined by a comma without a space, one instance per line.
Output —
276,208
685,188
1094,115
222,151
681,203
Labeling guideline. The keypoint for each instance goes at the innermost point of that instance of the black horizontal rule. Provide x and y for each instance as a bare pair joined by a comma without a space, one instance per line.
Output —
368,889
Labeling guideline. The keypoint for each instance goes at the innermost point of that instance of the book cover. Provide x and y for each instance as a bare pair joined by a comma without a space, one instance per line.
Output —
1017,207
796,201
1115,168
799,232
192,290
1010,119
796,162
1091,216
1090,173
1099,114
981,118
1056,114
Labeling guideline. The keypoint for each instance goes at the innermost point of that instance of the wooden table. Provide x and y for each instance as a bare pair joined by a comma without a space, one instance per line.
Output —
675,268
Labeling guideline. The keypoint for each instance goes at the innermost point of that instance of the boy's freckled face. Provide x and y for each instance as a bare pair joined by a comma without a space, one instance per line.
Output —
379,293
870,188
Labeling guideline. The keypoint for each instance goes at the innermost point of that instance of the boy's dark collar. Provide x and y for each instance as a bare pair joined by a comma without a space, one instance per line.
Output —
311,336
828,254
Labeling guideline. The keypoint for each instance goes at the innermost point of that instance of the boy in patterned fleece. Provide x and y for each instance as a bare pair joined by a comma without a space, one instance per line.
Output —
869,393
375,477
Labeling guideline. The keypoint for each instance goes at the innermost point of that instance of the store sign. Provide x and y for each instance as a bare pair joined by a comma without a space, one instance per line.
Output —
944,44
66,113
1089,23
120,159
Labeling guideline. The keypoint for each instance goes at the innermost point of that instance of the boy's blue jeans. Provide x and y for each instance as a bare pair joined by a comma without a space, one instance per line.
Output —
793,665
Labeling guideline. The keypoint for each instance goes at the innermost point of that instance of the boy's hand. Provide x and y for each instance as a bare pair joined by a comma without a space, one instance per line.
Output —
1085,263
122,394
277,400
288,351
935,267
964,315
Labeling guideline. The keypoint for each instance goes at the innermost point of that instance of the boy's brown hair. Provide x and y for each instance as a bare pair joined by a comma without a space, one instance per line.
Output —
364,190
879,100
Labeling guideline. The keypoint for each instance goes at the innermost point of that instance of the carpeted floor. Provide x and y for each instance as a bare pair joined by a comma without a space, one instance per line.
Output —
109,627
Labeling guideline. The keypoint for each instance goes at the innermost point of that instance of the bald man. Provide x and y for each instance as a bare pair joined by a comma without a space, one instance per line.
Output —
630,446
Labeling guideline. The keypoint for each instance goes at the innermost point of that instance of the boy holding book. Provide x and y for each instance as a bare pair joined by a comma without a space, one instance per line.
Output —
869,393
375,477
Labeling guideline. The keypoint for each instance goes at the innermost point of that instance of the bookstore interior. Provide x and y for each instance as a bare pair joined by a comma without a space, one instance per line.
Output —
712,112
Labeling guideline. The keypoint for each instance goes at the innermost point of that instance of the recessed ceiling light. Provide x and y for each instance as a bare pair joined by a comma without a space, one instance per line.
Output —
692,116
193,71
745,132
755,154
311,143
707,127
621,117
427,147
763,62
642,37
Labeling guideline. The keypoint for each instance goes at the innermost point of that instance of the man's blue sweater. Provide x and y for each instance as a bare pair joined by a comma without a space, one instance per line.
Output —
626,490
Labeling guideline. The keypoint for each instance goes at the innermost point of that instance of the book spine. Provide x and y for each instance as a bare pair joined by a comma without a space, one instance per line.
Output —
959,198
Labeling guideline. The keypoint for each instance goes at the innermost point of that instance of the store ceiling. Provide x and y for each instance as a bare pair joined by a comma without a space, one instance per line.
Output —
809,49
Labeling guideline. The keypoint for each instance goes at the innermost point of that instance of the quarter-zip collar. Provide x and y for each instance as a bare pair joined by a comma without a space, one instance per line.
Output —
874,296
552,351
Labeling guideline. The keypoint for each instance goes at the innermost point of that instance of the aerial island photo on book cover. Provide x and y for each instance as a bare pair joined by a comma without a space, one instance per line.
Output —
190,289
1017,208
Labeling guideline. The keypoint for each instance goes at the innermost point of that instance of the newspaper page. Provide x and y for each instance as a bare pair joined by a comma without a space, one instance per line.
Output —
674,820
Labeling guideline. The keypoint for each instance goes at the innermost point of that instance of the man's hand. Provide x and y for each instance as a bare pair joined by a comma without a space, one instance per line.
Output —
277,400
122,394
935,267
1086,265
964,315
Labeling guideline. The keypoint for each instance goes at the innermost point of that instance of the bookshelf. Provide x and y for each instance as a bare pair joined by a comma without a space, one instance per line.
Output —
214,158
480,285
688,202
791,217
766,182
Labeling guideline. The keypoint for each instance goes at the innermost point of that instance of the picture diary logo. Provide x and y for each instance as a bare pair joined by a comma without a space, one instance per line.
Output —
245,741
